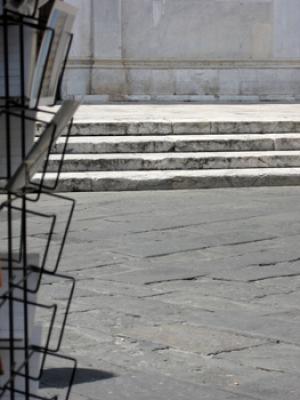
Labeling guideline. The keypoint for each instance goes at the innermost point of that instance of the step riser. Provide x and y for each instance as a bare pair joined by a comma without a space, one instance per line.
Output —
120,164
179,183
153,128
182,146
114,148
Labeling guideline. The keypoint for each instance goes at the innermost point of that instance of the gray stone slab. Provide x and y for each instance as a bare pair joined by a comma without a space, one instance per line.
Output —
141,386
212,371
275,386
101,181
191,338
238,291
279,358
194,298
150,307
175,161
177,143
188,112
153,311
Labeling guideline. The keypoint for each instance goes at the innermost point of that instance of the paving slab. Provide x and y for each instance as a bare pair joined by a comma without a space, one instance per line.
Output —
180,295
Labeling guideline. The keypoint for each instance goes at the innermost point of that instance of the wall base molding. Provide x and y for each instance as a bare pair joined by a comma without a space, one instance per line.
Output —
75,63
105,99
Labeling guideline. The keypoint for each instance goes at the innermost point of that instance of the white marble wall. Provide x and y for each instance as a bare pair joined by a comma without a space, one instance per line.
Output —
186,49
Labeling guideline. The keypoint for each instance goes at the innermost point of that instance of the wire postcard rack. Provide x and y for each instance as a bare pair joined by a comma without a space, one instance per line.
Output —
33,55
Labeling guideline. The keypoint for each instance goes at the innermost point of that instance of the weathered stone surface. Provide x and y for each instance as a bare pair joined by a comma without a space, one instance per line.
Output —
141,50
166,180
147,324
192,339
178,143
173,145
175,161
152,119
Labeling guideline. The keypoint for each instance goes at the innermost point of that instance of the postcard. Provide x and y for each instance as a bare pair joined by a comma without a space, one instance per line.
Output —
52,54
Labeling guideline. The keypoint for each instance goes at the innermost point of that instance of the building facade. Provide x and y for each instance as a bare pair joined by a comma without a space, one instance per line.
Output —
210,50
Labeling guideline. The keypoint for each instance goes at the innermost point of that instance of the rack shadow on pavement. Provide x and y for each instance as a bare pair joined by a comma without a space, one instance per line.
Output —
58,377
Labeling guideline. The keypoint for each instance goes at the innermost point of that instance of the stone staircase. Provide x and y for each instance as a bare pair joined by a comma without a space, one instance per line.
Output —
147,156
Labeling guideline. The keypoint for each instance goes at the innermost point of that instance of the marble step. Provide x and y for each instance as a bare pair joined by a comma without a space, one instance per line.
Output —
179,143
174,161
180,127
166,180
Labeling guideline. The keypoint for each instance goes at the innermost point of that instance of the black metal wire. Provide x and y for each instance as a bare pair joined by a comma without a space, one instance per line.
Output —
53,221
45,349
17,109
9,219
34,187
41,186
24,219
57,97
54,306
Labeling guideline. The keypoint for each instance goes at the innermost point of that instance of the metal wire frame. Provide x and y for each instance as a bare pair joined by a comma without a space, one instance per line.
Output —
9,219
65,230
45,349
10,18
12,111
34,12
32,186
41,269
41,185
72,376
32,396
15,18
51,217
57,356
54,306
64,65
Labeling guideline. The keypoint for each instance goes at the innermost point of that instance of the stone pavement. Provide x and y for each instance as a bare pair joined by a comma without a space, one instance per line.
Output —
190,295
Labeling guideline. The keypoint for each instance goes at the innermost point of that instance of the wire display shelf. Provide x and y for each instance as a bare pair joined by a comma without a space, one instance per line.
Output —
29,49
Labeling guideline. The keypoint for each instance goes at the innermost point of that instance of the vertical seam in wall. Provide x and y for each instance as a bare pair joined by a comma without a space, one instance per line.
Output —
125,67
92,47
273,21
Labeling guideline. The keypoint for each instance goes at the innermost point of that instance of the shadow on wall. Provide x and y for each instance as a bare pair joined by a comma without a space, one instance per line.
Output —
59,378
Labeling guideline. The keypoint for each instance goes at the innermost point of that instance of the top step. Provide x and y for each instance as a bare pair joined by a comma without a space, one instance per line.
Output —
191,119
173,119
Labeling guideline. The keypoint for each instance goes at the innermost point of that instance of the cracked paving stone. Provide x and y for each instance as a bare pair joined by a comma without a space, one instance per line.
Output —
152,386
114,288
153,311
206,370
192,338
151,276
279,302
180,295
226,290
272,358
194,298
275,386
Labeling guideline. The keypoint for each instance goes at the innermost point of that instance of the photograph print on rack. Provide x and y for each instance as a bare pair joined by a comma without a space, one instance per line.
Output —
26,7
52,54
35,158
